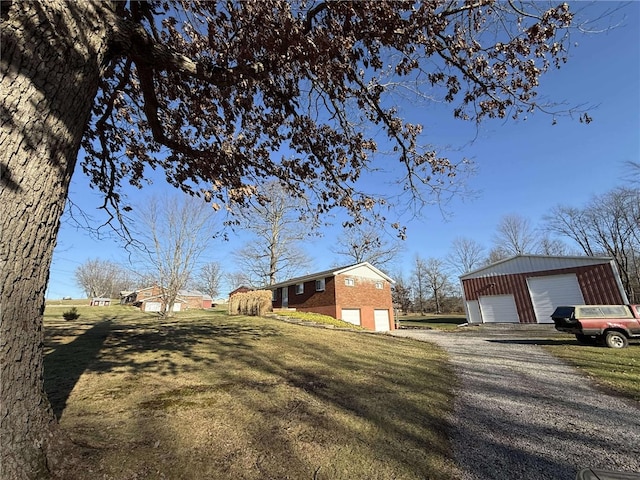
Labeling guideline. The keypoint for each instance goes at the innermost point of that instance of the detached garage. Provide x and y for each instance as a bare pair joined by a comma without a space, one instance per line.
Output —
527,288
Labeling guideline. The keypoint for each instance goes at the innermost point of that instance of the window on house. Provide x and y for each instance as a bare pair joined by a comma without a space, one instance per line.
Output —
299,288
349,282
320,285
379,285
274,295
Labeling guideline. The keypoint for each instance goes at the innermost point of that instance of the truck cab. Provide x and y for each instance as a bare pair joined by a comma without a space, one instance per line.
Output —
610,325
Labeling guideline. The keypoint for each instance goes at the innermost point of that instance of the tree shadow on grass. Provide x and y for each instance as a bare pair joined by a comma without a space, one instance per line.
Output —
136,347
327,395
64,366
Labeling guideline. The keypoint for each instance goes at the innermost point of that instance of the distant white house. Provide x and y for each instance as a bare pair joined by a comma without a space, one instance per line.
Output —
100,302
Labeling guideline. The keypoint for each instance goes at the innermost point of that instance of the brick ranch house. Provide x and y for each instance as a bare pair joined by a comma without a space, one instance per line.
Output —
358,294
149,299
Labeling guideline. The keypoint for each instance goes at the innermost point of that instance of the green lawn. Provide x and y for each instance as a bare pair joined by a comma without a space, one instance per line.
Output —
440,322
206,395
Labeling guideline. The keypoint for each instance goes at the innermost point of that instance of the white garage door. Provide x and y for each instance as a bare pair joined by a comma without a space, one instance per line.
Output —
177,307
152,306
499,308
351,315
381,320
473,312
551,291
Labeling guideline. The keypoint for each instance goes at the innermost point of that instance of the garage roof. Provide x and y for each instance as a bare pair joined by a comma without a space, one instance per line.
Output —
533,263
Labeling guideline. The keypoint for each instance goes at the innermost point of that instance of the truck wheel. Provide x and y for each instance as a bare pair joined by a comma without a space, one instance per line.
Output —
616,340
586,339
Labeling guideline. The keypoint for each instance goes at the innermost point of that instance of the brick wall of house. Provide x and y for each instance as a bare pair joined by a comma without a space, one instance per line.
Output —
365,296
148,292
312,298
192,302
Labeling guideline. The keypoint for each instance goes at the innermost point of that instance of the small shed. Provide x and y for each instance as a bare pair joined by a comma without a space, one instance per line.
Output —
207,301
240,289
527,288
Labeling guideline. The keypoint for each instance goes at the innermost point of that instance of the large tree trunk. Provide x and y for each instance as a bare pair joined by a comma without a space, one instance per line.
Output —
50,66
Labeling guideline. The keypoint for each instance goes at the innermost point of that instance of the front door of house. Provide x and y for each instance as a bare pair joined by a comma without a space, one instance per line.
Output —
285,297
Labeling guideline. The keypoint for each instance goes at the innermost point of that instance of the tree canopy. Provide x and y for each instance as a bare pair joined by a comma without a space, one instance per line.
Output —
220,95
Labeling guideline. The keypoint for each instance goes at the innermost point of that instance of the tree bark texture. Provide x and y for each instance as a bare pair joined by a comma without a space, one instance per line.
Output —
50,66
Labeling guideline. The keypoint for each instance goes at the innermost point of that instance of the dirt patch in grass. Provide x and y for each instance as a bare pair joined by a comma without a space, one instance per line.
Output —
205,395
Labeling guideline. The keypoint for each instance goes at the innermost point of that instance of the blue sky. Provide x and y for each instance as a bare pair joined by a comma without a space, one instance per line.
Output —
524,167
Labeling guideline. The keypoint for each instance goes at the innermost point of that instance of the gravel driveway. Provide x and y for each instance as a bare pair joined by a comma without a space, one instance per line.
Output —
520,413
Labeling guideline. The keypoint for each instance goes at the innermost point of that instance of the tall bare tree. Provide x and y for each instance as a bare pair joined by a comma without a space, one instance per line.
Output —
515,235
436,281
607,225
208,279
213,93
420,284
237,279
278,226
365,243
548,245
495,255
465,255
99,278
401,293
174,233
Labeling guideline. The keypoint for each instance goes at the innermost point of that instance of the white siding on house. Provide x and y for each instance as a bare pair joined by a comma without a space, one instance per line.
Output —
499,309
551,291
363,272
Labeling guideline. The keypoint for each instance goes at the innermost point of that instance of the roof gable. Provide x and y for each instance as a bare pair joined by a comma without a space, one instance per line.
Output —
364,269
533,263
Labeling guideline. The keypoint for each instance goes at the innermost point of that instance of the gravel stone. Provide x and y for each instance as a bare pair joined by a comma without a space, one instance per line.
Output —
521,413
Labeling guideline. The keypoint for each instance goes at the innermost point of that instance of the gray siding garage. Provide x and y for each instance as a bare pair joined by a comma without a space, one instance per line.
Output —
527,288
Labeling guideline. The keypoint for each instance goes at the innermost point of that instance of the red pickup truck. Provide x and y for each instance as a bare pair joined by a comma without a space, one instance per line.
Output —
611,325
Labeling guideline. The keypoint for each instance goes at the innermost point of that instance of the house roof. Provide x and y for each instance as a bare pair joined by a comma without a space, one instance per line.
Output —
533,263
242,289
357,267
190,293
154,298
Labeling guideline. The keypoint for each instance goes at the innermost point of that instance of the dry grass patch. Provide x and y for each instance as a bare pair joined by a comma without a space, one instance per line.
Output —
206,395
315,318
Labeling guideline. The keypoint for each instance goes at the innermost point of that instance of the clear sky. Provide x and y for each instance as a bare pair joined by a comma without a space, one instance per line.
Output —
524,167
